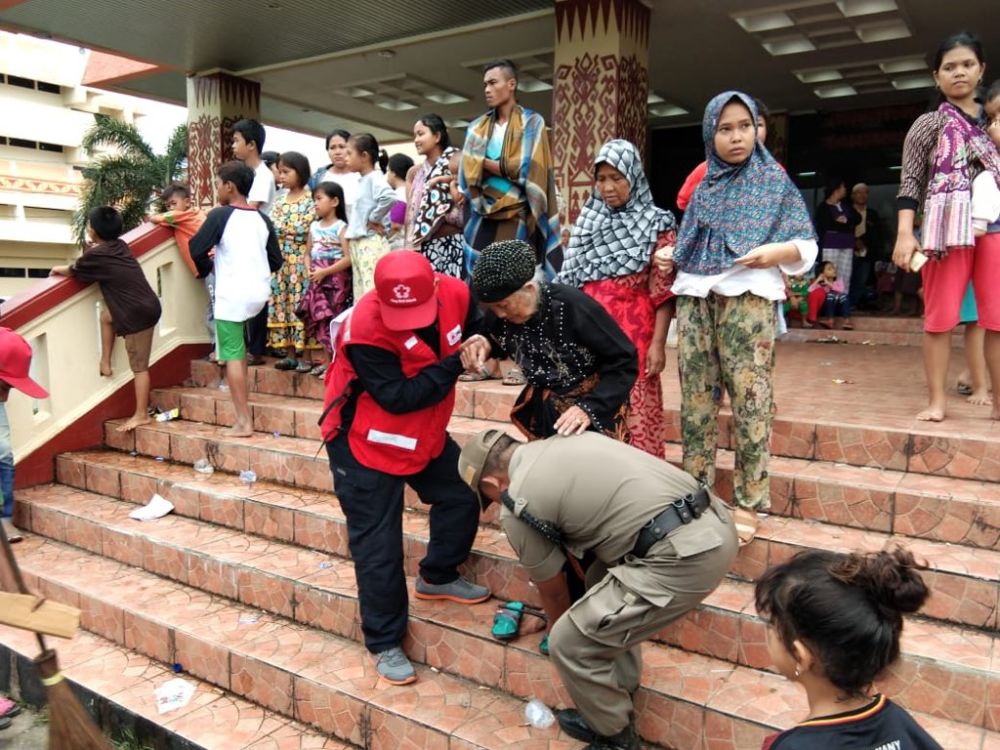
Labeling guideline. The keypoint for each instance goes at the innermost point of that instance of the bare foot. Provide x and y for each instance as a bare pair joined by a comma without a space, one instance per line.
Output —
931,414
136,421
105,369
980,398
237,430
747,521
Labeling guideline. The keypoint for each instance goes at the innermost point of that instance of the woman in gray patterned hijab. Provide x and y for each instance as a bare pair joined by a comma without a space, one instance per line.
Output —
610,257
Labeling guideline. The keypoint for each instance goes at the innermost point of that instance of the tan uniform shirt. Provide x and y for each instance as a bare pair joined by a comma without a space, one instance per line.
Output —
599,492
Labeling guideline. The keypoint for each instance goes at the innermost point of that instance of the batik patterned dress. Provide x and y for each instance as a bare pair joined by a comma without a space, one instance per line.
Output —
610,257
331,295
291,218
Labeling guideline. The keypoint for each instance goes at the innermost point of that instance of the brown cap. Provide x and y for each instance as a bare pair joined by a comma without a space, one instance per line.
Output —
473,457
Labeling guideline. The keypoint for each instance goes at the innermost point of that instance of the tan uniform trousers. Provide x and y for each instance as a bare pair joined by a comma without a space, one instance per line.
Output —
595,646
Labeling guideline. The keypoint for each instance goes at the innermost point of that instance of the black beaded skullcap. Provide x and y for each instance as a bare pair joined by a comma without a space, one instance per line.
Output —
502,269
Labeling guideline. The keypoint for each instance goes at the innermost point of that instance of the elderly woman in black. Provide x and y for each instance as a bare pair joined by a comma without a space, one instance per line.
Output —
578,363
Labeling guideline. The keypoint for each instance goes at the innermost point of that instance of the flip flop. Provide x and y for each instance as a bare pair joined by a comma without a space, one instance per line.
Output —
8,708
475,377
305,367
286,364
964,389
543,647
514,376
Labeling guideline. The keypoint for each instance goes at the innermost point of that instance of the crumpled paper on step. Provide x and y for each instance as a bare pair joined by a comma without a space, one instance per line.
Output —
157,507
173,694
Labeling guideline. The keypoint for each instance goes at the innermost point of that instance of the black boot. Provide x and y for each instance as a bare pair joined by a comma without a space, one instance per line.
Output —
626,739
573,724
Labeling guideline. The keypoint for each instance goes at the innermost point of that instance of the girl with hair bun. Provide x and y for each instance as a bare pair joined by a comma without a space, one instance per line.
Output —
834,622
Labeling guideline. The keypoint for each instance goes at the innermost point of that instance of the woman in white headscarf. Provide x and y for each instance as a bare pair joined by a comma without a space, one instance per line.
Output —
610,257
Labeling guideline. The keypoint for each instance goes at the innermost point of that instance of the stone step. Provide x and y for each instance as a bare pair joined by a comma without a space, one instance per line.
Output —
125,679
966,580
865,426
864,336
268,657
943,509
320,679
318,590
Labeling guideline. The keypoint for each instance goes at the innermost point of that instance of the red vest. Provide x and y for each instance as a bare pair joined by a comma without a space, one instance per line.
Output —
397,444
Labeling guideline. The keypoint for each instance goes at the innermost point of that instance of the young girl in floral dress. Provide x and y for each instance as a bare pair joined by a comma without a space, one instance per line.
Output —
329,291
291,214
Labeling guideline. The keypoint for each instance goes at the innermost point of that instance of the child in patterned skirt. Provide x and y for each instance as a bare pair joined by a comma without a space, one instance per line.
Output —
329,291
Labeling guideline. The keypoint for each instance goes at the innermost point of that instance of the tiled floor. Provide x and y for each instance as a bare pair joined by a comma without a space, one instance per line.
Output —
250,586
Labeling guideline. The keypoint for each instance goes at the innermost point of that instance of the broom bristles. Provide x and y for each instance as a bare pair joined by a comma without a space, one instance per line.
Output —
70,726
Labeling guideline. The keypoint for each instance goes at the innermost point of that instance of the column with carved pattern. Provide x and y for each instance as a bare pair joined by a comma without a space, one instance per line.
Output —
215,101
601,86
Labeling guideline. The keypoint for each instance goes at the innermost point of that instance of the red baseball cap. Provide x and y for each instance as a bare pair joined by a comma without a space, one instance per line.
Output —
404,283
15,362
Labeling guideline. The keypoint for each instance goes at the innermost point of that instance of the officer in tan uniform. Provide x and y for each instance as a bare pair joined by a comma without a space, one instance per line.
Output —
662,543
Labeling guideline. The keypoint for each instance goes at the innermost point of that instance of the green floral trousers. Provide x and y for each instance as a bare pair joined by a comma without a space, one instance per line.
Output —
727,342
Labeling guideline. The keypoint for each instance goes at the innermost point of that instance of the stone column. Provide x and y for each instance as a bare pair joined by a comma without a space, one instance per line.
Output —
601,87
215,101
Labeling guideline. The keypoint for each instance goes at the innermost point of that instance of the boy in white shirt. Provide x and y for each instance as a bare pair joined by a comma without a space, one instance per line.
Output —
246,254
248,144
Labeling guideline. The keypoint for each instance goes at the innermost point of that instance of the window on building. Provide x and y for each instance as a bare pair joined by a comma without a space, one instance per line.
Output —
12,273
22,143
24,83
38,273
3,140
50,147
49,88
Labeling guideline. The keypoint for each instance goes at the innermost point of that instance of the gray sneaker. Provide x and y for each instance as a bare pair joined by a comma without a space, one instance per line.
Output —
459,590
394,667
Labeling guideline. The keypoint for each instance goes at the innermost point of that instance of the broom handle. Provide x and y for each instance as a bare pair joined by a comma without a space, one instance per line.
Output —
15,570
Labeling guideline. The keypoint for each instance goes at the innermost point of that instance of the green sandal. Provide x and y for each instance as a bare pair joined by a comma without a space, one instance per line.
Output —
507,620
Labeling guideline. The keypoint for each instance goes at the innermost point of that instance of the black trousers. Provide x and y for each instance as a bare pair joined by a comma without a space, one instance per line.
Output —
256,333
373,503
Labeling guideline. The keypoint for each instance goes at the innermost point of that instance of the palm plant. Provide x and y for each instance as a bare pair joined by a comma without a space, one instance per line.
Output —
129,175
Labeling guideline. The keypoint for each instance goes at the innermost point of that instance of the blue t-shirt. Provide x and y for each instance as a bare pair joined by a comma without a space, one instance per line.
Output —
494,150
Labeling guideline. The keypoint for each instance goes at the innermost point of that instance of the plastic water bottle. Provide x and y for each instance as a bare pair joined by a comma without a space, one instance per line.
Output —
248,477
538,714
202,466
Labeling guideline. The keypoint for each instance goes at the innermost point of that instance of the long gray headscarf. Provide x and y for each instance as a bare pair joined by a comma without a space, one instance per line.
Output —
611,242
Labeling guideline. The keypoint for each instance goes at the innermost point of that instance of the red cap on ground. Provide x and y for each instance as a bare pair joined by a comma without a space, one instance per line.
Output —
404,282
15,362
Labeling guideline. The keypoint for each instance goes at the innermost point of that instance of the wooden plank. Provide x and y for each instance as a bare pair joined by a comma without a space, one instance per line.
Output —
51,618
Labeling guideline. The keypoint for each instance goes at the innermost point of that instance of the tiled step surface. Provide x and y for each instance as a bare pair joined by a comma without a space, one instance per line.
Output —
966,581
856,423
939,508
945,671
213,719
276,663
317,677
864,337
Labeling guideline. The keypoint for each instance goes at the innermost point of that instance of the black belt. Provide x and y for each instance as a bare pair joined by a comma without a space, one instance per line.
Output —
679,513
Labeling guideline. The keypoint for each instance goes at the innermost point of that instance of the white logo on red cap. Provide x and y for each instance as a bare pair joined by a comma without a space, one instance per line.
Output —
403,293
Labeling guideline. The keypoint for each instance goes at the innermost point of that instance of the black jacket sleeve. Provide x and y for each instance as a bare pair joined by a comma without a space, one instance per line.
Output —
274,257
208,237
617,359
381,374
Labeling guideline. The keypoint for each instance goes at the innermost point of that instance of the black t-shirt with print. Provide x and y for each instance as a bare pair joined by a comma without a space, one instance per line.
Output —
881,725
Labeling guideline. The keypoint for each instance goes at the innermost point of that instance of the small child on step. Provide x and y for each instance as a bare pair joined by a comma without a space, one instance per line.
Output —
833,626
132,307
238,244
186,220
329,290
366,220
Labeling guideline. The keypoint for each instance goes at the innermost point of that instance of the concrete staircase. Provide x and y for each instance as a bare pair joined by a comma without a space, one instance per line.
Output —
249,587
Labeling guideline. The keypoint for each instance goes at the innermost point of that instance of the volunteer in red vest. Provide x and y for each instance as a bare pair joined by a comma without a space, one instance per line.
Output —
389,395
